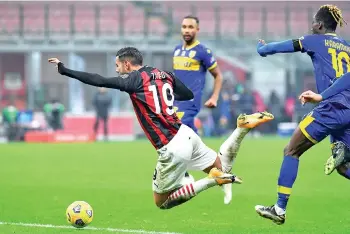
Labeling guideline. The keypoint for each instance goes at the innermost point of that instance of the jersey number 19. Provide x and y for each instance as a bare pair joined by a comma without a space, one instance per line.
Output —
167,95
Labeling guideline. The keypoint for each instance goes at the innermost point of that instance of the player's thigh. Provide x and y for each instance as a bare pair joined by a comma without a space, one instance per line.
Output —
311,130
203,157
172,162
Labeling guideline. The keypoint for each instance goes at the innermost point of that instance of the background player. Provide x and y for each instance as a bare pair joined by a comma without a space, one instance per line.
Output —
330,58
191,62
152,93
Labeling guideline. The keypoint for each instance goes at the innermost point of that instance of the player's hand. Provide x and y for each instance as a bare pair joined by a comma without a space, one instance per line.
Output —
309,96
211,103
55,61
261,43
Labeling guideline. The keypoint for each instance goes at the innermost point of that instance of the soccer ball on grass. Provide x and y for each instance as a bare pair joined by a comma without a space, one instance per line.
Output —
79,214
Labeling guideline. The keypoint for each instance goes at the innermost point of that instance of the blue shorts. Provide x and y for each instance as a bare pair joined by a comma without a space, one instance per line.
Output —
187,115
328,118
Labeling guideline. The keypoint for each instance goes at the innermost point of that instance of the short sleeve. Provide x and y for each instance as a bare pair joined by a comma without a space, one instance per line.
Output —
308,43
208,59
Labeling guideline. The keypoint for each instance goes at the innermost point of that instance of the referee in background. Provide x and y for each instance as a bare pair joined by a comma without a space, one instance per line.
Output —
102,103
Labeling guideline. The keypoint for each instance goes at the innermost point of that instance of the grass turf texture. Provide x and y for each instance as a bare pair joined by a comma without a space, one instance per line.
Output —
38,182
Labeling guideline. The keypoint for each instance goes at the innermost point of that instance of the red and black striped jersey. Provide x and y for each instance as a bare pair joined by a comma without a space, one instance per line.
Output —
152,92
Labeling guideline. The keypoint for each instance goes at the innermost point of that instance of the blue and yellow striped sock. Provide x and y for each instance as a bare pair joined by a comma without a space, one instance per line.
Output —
288,174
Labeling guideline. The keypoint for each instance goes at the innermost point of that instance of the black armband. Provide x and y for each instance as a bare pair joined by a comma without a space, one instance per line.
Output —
296,45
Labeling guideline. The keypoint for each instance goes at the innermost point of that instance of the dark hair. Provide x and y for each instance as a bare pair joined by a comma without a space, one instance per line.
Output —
133,55
331,17
192,17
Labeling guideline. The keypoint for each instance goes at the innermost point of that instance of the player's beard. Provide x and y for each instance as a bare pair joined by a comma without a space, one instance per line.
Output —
188,39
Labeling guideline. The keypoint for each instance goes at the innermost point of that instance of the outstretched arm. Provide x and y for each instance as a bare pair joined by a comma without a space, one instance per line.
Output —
289,46
340,85
125,82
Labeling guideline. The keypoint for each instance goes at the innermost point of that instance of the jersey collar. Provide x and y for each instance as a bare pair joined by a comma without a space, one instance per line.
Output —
331,34
194,44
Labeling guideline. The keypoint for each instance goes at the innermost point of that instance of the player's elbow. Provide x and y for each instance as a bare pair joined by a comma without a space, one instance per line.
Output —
218,77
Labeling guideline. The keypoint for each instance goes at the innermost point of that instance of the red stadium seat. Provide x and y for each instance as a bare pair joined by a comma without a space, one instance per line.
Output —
180,12
344,31
59,20
229,22
276,25
34,20
300,24
110,22
84,20
207,21
157,27
134,21
252,22
9,20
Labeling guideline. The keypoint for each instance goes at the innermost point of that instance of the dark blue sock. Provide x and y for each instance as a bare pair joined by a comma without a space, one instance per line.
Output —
288,174
347,173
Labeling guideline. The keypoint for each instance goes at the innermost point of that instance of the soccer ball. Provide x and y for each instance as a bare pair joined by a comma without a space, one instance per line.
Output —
79,214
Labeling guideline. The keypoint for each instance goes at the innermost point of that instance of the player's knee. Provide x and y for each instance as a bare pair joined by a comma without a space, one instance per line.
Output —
288,150
292,150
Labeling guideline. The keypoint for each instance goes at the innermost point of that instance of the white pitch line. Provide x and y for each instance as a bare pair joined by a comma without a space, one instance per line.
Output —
88,228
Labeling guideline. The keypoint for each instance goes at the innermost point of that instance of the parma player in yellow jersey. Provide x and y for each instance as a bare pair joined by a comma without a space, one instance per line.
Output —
191,62
330,57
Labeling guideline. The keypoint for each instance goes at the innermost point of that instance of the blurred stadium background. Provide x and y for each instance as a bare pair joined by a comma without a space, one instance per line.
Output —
38,181
86,35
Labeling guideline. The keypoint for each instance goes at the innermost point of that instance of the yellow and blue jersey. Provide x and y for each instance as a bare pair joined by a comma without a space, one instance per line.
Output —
190,65
330,58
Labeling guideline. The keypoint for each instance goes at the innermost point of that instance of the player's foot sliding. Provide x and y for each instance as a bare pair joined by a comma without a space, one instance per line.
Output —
188,191
230,147
340,155
276,214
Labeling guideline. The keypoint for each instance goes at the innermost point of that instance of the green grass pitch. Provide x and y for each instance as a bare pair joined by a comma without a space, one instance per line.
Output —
38,182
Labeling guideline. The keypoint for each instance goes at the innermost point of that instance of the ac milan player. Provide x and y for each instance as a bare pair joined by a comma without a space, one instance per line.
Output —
152,93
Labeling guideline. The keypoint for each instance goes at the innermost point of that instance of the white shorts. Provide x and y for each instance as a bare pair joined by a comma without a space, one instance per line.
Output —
186,151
